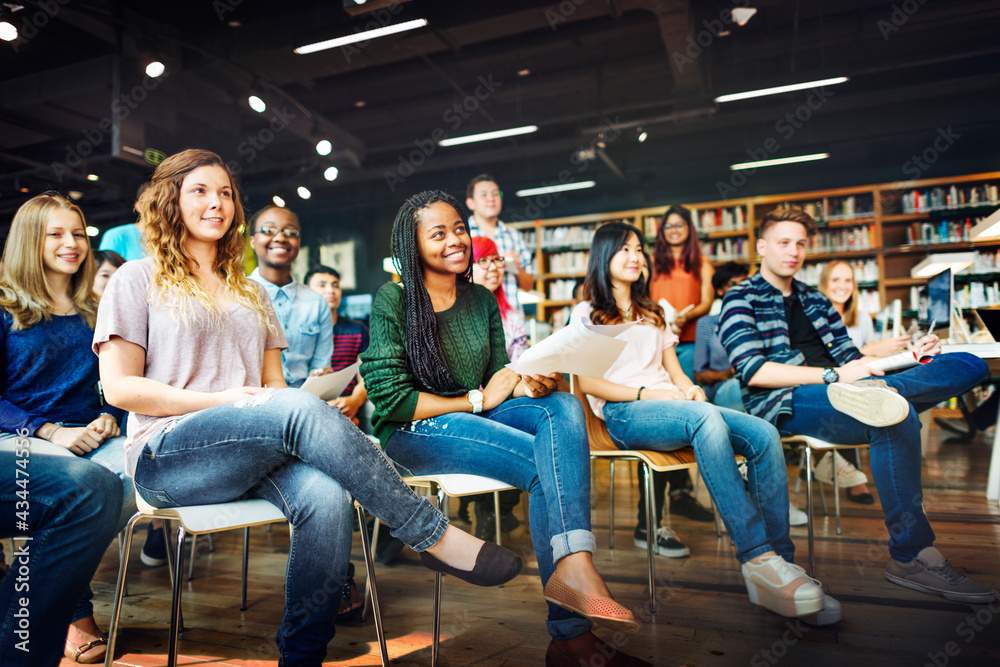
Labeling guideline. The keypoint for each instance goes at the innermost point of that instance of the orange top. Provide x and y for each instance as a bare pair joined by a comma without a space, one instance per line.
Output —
681,289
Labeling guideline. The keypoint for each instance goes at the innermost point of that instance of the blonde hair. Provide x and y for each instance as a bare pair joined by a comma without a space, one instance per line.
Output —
164,235
851,305
25,291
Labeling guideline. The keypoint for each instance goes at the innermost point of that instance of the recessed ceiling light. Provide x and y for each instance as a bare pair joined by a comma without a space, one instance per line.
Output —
155,69
92,177
303,192
257,104
234,24
92,231
361,36
324,147
486,136
75,195
360,103
8,32
523,72
278,201
743,14
331,173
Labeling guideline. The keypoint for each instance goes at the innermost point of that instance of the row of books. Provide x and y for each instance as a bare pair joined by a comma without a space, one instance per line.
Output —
723,219
986,261
941,199
843,239
977,294
836,208
561,290
939,231
727,250
568,235
865,271
568,262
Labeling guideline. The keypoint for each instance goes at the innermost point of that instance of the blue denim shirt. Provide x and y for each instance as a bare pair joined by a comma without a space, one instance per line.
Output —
305,318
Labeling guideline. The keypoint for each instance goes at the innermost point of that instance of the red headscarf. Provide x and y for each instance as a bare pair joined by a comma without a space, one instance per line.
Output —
484,247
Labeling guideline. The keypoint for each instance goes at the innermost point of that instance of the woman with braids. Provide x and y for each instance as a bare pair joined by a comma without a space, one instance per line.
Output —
647,402
192,348
445,403
49,389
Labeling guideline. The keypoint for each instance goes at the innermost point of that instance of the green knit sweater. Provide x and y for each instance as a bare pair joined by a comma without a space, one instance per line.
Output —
472,340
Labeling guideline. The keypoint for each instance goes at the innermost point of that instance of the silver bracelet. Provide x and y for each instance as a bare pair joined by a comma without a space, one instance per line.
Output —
691,389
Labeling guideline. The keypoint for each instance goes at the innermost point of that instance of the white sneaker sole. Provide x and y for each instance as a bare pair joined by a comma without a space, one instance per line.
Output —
768,598
875,406
663,551
830,613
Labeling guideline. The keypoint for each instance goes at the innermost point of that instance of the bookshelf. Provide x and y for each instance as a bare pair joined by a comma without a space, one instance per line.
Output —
883,230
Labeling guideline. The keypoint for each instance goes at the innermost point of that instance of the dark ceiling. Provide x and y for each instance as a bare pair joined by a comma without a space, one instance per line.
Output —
74,100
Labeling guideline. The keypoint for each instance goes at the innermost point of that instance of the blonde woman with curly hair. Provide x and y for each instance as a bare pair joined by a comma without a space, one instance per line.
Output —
192,348
49,390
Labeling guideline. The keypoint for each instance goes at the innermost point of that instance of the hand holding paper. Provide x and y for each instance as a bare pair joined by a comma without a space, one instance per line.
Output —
332,385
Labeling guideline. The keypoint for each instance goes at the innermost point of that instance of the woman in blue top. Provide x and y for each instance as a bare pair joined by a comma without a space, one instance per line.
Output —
49,389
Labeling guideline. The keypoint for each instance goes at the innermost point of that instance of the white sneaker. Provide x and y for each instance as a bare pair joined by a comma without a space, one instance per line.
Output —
847,474
830,613
869,400
796,517
784,588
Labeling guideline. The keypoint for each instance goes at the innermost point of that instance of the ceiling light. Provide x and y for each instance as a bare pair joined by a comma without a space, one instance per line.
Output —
781,89
549,189
486,136
75,195
931,265
257,104
92,177
361,36
8,32
987,228
743,14
359,104
304,192
155,69
643,135
323,146
781,160
523,72
92,231
331,173
278,201
360,2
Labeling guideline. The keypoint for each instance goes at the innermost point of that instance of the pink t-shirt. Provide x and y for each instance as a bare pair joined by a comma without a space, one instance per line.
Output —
206,355
641,363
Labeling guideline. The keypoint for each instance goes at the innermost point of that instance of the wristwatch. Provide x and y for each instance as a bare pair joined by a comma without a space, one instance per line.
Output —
830,376
476,398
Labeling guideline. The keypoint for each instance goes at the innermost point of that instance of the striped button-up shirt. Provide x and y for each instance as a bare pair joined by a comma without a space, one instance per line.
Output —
753,330
508,240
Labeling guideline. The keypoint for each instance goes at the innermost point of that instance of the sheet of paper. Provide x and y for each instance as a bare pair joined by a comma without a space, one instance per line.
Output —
329,387
588,350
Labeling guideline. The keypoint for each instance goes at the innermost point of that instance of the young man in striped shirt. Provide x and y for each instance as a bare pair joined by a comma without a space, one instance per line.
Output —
800,371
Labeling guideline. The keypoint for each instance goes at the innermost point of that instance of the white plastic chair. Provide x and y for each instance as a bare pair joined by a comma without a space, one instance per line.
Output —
445,486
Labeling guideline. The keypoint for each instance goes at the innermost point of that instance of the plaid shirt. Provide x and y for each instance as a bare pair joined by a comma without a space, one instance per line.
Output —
508,240
753,330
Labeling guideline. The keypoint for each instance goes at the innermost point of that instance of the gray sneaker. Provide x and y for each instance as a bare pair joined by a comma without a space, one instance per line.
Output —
869,400
930,572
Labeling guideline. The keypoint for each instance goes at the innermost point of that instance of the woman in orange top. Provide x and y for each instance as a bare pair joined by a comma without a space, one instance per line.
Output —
682,276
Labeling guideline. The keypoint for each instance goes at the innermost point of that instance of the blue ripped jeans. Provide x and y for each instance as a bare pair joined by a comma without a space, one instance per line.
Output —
758,523
894,450
305,457
538,445
111,455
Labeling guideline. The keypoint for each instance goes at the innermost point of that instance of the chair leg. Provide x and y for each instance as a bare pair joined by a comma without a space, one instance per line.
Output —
194,548
121,556
836,492
802,463
496,513
371,573
651,537
116,608
211,543
435,644
370,588
611,514
809,510
246,562
175,602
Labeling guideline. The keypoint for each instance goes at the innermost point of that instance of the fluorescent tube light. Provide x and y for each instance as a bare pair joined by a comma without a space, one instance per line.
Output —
361,36
777,90
935,264
987,228
549,189
781,160
486,136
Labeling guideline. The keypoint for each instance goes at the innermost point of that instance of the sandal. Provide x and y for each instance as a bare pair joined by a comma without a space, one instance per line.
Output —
603,610
75,653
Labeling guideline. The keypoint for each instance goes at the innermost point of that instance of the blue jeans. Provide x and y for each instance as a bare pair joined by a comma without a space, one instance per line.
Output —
895,450
111,455
73,515
305,457
728,395
757,523
537,445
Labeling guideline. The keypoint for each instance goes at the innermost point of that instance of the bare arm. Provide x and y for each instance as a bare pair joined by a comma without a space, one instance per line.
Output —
712,377
773,375
122,365
525,280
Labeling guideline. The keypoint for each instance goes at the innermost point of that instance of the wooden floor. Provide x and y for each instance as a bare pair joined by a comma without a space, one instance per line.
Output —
705,618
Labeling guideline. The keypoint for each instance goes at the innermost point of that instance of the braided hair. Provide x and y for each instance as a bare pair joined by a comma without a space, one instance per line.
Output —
424,355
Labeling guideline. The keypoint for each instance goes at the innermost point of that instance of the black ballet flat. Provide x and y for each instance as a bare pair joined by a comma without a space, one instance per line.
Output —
861,498
495,565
